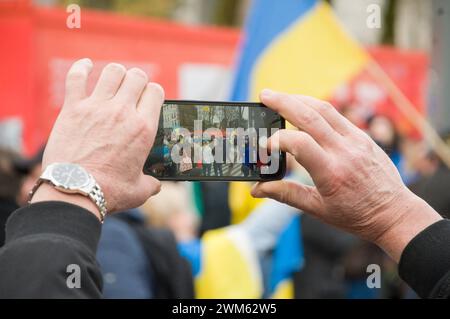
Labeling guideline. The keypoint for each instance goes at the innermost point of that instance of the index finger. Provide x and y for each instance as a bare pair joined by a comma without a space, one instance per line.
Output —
329,113
305,149
149,105
301,115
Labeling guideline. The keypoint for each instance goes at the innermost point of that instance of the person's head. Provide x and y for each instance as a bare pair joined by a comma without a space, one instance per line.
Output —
419,157
354,114
433,157
31,168
382,130
172,209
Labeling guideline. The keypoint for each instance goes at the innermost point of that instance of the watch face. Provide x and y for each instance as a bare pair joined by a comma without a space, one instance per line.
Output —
70,175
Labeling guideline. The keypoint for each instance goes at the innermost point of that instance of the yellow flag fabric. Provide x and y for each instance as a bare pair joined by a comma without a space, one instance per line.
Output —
294,46
312,57
240,201
230,267
284,290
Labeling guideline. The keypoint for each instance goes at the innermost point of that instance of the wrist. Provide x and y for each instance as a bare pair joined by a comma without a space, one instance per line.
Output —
46,192
406,218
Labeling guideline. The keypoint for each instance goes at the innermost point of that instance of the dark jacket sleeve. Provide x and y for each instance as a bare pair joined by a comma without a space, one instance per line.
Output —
50,253
425,262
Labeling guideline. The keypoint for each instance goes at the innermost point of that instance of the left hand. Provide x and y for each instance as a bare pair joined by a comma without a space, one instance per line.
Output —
110,132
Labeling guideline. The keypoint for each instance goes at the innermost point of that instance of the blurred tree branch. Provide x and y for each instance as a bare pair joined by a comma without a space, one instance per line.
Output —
388,22
151,8
222,12
226,12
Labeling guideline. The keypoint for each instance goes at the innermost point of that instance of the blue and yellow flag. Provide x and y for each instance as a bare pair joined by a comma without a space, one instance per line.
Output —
295,46
225,263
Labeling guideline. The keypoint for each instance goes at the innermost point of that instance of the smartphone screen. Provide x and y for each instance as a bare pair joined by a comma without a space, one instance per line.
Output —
223,141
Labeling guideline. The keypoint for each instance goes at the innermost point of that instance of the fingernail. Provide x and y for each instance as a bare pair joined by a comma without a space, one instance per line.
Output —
87,61
255,192
267,93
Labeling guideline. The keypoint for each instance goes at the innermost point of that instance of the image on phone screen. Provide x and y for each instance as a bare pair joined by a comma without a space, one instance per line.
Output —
199,140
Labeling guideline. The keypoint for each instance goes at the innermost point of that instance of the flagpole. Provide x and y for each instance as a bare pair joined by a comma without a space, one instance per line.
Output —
405,106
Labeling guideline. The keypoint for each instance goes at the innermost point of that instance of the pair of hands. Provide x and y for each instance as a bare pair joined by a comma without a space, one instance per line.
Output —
357,188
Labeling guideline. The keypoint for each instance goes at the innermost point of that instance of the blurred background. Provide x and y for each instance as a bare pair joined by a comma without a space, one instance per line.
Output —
382,63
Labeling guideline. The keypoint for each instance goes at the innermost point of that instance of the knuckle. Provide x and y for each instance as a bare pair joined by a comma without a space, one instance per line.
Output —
76,76
335,182
324,106
354,158
308,118
156,89
365,144
284,196
299,143
120,115
284,99
138,73
115,68
360,141
142,129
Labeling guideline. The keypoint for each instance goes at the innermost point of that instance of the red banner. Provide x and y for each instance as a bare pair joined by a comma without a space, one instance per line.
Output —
37,49
409,72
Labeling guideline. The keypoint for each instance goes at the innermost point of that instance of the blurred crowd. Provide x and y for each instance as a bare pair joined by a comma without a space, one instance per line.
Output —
175,245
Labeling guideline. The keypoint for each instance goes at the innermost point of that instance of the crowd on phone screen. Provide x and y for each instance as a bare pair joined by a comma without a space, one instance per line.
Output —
215,157
148,252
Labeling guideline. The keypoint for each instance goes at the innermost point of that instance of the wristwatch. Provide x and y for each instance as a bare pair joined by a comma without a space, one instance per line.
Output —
72,179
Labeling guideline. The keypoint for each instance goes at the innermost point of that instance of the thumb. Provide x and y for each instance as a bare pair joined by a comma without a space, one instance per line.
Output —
303,197
148,186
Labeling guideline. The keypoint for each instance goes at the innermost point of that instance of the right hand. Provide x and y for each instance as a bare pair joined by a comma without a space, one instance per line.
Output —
109,132
357,187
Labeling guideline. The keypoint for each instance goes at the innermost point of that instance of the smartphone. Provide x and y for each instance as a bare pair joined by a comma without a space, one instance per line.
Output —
215,141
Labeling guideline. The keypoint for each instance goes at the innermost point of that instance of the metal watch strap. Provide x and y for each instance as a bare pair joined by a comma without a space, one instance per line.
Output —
35,188
97,196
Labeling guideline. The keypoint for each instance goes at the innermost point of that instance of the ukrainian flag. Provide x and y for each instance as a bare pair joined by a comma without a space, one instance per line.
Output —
226,265
295,46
